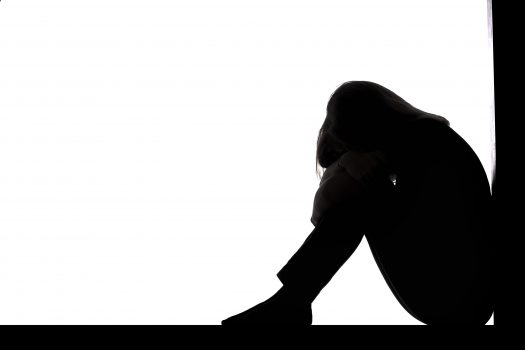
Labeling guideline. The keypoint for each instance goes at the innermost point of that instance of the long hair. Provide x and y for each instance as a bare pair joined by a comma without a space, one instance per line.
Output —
363,116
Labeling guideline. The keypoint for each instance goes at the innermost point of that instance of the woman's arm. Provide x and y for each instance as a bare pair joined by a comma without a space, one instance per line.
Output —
336,187
348,178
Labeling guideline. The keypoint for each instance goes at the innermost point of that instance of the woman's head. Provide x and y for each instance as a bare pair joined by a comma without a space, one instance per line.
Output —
364,116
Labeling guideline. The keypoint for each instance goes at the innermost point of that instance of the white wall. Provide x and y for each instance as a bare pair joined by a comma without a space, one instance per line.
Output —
136,188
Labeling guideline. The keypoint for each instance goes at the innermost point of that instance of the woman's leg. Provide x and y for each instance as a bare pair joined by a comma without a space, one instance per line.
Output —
436,287
334,239
438,260
325,250
337,236
435,255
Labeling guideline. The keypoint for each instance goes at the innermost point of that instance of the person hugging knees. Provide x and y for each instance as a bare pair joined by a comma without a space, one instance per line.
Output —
405,179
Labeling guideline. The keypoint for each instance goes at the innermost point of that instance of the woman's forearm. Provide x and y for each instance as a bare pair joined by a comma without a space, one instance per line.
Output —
348,179
335,189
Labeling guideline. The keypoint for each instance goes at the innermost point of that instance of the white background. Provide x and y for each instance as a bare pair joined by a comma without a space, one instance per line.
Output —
158,157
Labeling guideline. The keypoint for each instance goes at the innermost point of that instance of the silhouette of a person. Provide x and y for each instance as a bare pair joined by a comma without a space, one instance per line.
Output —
405,179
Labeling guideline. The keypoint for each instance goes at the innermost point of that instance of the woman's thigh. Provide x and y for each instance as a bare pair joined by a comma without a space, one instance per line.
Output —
436,257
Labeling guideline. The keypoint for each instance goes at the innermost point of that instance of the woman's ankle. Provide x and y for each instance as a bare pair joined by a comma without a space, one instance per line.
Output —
293,295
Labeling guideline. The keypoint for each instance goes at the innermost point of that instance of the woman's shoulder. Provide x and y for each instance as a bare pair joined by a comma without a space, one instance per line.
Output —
427,135
439,147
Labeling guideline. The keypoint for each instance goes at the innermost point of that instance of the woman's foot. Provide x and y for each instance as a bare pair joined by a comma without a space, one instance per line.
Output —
280,309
